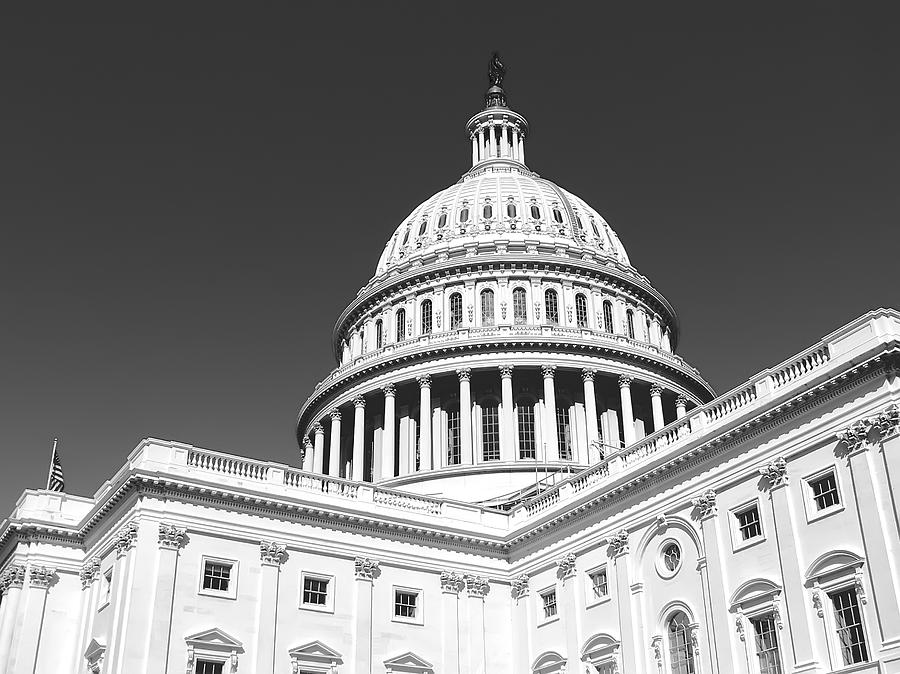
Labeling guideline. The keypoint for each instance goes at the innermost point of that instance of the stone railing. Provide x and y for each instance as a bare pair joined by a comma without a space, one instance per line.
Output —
405,501
228,465
730,402
808,361
323,483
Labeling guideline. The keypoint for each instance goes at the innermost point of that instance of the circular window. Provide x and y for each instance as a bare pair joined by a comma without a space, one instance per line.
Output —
668,561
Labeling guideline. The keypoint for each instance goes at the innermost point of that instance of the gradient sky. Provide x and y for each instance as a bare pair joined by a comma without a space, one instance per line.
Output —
191,193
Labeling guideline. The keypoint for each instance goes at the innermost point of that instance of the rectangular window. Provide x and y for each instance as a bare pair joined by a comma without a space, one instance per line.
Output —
564,433
599,585
765,635
208,667
405,604
527,444
748,523
315,591
216,576
847,618
490,433
454,451
107,587
548,600
824,491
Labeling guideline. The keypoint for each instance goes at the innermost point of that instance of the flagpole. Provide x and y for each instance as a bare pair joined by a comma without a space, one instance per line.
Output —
52,454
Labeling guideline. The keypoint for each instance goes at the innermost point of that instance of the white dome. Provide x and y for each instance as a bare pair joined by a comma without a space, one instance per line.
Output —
500,201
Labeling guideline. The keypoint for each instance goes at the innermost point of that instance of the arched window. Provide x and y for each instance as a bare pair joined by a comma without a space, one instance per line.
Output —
579,225
510,210
525,419
581,313
629,323
490,431
535,212
405,237
607,316
422,227
681,655
520,306
557,215
464,214
455,311
487,307
551,306
487,212
379,334
362,340
564,432
442,220
594,226
401,325
426,317
454,438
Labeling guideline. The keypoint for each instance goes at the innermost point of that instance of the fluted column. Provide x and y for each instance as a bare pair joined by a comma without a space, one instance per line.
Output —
550,439
424,421
334,458
507,449
656,405
388,436
319,448
465,414
680,407
359,430
590,411
627,410
482,144
309,453
522,148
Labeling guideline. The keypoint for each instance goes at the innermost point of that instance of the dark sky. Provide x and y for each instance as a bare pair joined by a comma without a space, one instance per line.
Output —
191,193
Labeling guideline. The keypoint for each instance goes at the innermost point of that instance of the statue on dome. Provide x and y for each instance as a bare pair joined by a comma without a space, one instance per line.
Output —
496,71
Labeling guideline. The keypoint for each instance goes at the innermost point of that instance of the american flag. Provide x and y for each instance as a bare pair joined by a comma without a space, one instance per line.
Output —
55,480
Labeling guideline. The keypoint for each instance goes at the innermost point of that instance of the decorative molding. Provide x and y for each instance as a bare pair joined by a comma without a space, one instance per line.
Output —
705,504
695,641
126,538
656,645
775,472
548,371
565,565
520,586
272,553
860,587
661,522
817,603
359,402
41,576
506,371
885,423
424,380
12,577
365,568
476,586
452,582
739,626
170,536
619,543
335,414
389,390
776,611
90,571
625,380
464,374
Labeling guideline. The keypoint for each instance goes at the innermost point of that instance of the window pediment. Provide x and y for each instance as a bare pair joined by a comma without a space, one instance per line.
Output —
214,639
550,662
409,663
600,649
94,655
753,591
833,563
315,653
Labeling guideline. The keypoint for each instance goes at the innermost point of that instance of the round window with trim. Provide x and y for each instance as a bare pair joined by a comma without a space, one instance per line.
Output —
669,560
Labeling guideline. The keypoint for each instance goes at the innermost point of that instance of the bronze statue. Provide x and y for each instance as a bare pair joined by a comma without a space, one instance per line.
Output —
496,71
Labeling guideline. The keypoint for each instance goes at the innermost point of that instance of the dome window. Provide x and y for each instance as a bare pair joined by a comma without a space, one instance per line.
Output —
557,215
535,212
581,312
423,227
487,212
629,323
579,225
426,317
608,316
464,214
594,226
520,307
405,238
511,210
487,307
379,334
454,437
456,314
401,325
551,306
442,220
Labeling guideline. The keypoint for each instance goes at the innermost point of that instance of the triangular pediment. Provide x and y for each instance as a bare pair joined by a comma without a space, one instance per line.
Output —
214,639
315,651
408,662
94,650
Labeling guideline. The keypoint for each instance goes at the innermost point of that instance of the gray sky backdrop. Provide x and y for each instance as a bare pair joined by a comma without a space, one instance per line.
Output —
191,193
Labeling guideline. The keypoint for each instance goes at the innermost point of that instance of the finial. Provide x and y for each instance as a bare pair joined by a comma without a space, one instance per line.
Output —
495,96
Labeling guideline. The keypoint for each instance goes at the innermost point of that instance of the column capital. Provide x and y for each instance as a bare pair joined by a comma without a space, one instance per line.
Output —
565,566
775,472
681,400
41,576
272,553
625,380
90,571
12,577
520,586
618,543
705,504
588,374
359,402
170,536
548,371
365,568
126,538
335,414
856,436
318,428
389,390
655,390
307,443
452,582
424,380
464,374
506,371
476,586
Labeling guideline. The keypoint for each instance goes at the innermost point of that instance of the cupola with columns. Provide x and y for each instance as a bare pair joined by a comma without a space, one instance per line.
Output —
504,339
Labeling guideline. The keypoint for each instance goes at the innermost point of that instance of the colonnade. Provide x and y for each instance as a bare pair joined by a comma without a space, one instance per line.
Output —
453,428
501,139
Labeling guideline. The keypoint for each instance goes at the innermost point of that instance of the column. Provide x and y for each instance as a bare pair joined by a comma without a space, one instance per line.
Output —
308,455
334,456
618,548
491,143
366,571
359,431
451,584
656,405
465,414
717,590
319,448
39,580
680,407
89,575
271,556
170,540
590,412
799,645
549,436
474,150
424,421
504,146
627,412
523,616
476,588
120,596
389,435
508,448
12,581
522,148
481,144
567,600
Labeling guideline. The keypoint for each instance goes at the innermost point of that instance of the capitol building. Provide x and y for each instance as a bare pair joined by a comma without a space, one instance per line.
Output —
510,470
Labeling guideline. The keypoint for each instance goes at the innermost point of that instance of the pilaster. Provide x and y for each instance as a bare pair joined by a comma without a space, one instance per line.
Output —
522,624
631,648
271,556
170,540
40,578
565,573
476,588
366,570
451,585
11,582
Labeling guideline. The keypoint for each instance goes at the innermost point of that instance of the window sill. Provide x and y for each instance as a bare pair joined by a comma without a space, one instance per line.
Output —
318,608
548,621
822,514
870,666
598,602
749,543
102,606
408,621
217,595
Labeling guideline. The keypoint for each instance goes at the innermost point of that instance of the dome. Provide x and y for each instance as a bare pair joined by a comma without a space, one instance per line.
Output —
501,201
